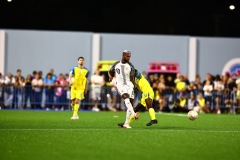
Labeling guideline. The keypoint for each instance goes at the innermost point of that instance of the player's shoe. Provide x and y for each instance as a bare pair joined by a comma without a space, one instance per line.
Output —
126,126
137,116
120,125
74,118
152,122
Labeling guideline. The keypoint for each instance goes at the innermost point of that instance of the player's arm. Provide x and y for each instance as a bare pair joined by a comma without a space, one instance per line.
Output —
86,84
71,77
111,72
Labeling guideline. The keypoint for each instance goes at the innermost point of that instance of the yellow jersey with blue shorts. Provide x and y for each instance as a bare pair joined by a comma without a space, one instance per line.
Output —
144,87
79,85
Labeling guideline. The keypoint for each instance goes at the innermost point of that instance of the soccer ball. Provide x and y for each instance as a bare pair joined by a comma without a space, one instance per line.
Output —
192,115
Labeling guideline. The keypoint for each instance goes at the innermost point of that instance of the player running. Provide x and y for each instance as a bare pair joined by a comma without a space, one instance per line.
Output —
78,82
125,73
146,101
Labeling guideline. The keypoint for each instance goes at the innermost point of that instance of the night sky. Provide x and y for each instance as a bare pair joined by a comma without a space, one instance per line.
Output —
168,17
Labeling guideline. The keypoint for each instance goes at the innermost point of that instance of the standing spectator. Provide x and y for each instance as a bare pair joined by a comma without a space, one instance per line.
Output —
114,93
28,93
49,91
238,98
218,93
169,91
1,91
8,94
54,76
61,85
37,85
16,93
185,79
19,75
208,89
198,84
97,81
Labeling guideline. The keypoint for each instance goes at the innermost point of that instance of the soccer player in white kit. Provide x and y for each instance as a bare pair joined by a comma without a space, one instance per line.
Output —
125,74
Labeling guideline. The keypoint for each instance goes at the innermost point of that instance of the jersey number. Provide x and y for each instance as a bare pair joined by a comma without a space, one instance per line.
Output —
118,71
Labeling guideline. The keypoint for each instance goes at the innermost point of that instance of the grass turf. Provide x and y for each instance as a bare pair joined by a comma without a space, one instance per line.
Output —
52,135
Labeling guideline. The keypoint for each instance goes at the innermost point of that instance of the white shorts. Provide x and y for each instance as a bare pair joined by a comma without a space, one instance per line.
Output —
123,88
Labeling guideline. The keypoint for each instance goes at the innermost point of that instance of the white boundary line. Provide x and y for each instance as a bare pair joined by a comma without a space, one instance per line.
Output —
99,129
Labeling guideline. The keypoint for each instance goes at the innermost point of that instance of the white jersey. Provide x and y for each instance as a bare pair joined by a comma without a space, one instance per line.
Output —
123,72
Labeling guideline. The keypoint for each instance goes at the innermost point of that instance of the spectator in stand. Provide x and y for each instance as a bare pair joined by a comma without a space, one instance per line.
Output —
28,93
181,86
198,83
33,74
49,91
185,79
19,75
209,77
161,85
54,77
191,101
16,93
218,94
180,105
37,85
200,105
208,89
1,91
97,82
61,92
151,79
238,80
191,89
169,90
238,98
114,97
8,92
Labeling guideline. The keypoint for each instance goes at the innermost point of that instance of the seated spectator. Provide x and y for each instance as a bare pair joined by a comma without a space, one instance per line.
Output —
200,105
191,101
180,104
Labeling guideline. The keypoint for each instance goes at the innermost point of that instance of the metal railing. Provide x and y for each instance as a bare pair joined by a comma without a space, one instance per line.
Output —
58,98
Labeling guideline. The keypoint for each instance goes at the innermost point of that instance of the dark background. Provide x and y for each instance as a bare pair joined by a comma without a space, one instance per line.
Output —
169,17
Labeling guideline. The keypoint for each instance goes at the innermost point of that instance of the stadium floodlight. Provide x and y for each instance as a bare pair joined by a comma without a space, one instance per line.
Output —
231,7
9,0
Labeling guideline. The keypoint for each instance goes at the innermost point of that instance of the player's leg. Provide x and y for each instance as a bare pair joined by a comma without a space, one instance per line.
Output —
128,104
148,101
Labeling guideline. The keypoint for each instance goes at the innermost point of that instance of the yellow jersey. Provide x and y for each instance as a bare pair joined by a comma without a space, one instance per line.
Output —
143,84
80,76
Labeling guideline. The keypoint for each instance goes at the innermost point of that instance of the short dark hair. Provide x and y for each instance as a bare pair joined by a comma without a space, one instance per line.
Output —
19,70
80,58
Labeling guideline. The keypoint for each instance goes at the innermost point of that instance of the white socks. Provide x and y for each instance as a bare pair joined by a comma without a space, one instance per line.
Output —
129,106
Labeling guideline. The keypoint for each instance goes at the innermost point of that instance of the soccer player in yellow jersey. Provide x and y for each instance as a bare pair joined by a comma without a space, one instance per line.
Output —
146,100
78,79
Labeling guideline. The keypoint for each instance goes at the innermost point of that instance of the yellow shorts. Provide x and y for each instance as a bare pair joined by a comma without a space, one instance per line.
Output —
78,94
145,95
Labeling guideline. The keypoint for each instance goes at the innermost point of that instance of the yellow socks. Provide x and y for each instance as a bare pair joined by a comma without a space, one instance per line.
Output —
152,113
131,119
75,109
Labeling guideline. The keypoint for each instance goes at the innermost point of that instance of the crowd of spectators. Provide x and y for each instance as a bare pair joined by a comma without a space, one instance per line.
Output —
173,93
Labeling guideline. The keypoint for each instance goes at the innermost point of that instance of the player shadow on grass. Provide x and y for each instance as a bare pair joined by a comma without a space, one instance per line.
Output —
173,128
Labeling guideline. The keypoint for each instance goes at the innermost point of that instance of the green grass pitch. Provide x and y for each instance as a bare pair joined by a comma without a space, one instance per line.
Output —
42,135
